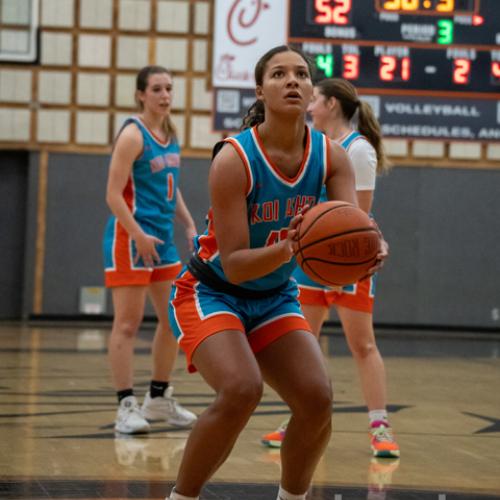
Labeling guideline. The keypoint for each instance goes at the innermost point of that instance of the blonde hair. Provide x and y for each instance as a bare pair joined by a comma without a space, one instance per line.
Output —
368,125
141,84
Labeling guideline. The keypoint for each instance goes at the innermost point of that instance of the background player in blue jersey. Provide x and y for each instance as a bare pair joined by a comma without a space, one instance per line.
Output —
335,102
234,308
140,256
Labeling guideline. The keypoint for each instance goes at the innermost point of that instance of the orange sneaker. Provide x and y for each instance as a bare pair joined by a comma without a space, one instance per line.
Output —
275,438
382,440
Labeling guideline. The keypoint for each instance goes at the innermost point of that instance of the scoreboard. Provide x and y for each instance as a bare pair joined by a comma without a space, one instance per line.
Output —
422,46
429,68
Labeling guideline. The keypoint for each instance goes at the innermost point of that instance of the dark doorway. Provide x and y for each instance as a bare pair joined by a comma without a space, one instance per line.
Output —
13,195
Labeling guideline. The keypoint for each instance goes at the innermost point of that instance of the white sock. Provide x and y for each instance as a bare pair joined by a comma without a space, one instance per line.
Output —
177,496
378,415
284,495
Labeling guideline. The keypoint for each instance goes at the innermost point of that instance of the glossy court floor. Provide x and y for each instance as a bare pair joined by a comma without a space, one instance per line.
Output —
57,409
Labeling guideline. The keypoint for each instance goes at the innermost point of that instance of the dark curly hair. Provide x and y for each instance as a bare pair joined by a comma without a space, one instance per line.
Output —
256,112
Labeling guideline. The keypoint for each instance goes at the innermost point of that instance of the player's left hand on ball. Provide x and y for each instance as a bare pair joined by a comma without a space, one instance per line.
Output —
383,251
381,256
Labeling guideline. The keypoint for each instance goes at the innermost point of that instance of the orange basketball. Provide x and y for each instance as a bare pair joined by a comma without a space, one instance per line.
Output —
337,244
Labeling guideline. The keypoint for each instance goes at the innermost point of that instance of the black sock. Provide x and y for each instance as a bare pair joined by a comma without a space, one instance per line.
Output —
124,394
157,388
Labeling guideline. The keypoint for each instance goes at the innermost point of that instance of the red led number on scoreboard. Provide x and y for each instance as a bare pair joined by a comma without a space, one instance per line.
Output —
389,66
332,15
351,66
495,70
405,68
461,71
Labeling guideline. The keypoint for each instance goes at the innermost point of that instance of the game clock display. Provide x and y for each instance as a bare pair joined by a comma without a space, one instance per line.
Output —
429,46
428,6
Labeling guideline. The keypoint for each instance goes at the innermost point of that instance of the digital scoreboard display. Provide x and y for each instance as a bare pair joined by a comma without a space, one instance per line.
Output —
429,68
412,46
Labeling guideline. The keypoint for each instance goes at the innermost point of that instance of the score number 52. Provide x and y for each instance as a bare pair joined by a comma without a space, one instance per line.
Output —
338,13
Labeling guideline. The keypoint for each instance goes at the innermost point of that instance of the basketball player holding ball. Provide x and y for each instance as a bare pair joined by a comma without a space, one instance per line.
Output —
234,309
335,102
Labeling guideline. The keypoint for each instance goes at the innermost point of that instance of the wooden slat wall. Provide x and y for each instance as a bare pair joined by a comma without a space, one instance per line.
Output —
73,107
488,156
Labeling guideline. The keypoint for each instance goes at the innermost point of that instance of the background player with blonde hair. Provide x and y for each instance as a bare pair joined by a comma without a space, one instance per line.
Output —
140,255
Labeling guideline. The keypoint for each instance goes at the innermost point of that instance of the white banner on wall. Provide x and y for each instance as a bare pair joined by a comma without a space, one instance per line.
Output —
244,30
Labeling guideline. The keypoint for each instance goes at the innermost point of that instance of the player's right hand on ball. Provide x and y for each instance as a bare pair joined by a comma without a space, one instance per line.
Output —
293,232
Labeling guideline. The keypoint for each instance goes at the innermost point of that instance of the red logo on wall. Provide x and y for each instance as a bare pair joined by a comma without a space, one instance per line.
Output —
244,14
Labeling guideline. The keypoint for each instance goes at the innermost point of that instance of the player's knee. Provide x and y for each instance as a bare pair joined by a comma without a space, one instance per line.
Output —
165,328
240,396
127,328
323,399
364,348
316,404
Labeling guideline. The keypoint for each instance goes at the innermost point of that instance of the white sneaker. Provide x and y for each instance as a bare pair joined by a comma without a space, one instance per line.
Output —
166,407
176,496
129,419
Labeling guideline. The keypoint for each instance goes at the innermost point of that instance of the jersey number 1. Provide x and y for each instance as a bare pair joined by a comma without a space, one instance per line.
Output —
170,187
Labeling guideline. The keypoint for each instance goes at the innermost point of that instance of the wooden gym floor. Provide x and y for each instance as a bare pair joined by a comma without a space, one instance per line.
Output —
57,409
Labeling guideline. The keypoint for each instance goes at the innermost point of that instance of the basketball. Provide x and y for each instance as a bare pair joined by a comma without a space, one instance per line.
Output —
336,243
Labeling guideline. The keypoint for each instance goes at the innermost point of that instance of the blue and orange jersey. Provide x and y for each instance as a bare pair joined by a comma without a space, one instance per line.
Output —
350,138
273,199
346,143
150,192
